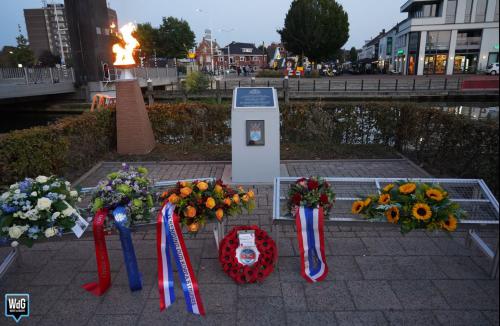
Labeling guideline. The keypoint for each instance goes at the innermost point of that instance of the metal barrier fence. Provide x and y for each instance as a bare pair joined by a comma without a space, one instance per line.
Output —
29,76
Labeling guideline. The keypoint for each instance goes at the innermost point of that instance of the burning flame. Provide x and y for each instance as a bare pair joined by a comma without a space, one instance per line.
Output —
124,55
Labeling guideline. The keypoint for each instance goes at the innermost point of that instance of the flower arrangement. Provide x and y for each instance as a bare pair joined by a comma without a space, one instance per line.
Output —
127,187
312,192
262,268
412,205
198,201
37,208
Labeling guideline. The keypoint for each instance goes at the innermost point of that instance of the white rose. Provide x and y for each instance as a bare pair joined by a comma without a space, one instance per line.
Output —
32,215
73,193
16,231
68,211
34,194
43,203
41,179
50,232
55,215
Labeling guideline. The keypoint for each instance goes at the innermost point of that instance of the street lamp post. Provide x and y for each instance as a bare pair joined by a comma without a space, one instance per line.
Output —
211,38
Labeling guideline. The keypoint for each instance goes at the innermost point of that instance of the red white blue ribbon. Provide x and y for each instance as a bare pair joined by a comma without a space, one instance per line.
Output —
169,235
310,233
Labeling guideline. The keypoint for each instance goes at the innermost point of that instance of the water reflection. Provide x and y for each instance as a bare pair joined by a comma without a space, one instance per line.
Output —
473,112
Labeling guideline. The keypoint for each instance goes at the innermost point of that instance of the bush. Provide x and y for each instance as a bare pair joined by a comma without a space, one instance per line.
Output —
66,148
196,82
268,73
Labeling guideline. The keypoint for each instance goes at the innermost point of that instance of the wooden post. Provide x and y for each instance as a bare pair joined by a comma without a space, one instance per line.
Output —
286,90
150,93
217,91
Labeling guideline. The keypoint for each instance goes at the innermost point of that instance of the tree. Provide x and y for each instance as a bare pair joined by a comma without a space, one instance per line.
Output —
353,55
22,53
6,56
147,36
315,28
175,38
48,59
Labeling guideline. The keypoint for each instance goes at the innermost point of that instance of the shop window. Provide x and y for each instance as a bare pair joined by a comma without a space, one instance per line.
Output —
465,63
493,58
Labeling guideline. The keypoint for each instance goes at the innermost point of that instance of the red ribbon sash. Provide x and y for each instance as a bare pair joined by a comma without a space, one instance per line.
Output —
101,254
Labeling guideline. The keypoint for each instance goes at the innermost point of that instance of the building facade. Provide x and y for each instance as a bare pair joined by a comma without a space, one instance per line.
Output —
205,51
48,31
447,37
238,54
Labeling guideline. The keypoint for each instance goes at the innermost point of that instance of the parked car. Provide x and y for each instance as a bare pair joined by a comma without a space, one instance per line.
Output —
492,69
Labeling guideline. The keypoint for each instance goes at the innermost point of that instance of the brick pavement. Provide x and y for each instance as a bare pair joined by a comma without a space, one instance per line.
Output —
377,277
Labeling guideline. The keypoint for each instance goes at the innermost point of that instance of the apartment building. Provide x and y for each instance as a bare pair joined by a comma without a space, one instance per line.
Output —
240,55
48,31
447,37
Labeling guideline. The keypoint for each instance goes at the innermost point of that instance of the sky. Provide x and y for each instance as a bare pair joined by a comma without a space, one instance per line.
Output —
230,20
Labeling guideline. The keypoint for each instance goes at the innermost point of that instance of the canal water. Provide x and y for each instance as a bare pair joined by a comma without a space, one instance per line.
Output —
21,116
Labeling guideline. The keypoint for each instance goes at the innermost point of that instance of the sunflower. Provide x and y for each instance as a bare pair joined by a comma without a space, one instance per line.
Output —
434,194
407,188
392,214
388,187
450,224
357,207
421,212
384,199
367,202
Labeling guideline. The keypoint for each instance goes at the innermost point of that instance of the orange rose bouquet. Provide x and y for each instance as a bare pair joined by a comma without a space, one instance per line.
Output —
412,205
200,201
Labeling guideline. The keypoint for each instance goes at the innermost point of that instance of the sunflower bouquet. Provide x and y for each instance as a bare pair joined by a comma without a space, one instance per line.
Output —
412,205
198,201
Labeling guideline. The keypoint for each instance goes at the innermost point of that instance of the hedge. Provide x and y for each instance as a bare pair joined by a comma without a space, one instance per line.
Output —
66,148
445,144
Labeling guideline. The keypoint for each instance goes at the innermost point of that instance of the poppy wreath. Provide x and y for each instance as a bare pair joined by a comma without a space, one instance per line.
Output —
240,273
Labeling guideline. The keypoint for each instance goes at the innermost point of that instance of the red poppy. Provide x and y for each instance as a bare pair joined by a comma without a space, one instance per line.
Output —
312,184
296,198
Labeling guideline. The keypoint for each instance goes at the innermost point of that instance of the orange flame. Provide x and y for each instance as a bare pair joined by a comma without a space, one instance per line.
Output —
124,55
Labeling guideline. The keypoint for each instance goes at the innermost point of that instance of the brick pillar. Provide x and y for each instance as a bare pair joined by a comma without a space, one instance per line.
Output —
133,128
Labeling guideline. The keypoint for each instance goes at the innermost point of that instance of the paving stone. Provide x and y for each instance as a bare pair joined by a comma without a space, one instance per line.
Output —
419,246
69,312
460,268
492,316
260,311
369,295
77,250
209,249
211,272
173,315
465,295
347,247
490,287
57,272
120,300
219,298
450,246
294,297
212,319
74,290
147,268
32,261
419,267
113,320
286,247
115,262
383,246
361,318
343,268
269,287
462,318
310,318
407,318
328,296
415,295
31,320
379,268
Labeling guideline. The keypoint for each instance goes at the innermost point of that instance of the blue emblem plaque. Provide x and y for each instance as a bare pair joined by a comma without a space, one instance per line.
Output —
258,97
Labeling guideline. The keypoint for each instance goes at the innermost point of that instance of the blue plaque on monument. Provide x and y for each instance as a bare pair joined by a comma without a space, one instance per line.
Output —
258,97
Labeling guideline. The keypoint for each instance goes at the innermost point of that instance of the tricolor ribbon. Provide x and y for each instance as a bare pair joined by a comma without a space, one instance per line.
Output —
169,236
101,255
311,238
134,277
